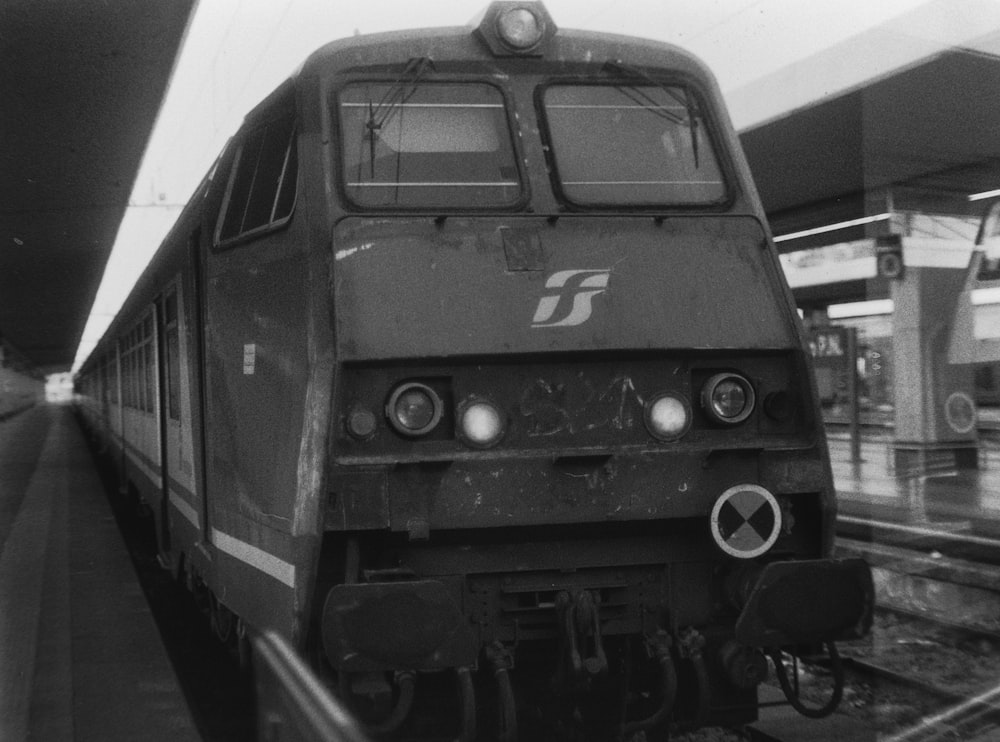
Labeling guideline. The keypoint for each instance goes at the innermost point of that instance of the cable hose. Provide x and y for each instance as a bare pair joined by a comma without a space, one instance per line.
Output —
508,707
396,717
836,667
669,683
467,700
704,689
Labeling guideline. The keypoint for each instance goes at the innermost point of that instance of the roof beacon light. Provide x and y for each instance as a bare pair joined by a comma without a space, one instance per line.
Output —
519,28
515,28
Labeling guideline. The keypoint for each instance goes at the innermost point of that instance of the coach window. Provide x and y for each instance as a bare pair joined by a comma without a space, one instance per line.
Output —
638,145
427,145
149,361
111,377
138,377
261,189
173,361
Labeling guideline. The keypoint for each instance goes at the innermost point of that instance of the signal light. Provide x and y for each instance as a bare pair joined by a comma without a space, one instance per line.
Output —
668,417
480,423
728,398
515,27
361,423
519,28
414,409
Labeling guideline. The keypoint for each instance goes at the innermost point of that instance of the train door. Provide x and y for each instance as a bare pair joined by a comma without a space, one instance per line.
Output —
196,355
178,347
167,407
256,367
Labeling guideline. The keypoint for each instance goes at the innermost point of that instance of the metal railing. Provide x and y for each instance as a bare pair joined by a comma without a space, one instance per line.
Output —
292,704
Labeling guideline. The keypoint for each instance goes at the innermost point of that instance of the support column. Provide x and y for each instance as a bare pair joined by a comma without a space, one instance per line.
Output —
935,408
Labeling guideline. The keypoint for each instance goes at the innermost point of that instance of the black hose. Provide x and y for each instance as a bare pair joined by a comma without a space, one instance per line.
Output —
836,667
704,689
401,709
467,699
508,707
668,682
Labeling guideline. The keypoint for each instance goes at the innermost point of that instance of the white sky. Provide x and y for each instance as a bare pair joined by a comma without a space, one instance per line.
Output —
770,56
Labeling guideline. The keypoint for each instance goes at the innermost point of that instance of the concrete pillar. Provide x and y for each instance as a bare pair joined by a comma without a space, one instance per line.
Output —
935,408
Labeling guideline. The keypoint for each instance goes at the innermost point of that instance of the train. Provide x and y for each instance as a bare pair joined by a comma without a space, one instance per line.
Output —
22,385
470,369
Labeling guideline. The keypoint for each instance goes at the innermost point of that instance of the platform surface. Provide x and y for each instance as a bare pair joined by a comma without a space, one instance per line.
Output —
80,655
946,498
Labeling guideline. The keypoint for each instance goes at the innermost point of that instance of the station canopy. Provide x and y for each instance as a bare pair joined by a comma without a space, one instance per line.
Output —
81,84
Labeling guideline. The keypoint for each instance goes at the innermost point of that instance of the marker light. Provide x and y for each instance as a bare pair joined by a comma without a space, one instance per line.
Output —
668,417
414,409
520,28
728,398
361,423
480,423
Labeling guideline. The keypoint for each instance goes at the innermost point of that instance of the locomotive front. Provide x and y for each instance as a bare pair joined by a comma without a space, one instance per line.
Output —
576,464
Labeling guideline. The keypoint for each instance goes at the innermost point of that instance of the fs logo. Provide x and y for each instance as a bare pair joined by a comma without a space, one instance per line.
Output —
579,287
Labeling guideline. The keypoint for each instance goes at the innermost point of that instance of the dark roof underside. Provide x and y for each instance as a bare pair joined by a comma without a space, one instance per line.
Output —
80,86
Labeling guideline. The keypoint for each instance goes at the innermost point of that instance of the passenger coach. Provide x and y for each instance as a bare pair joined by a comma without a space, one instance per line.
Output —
471,364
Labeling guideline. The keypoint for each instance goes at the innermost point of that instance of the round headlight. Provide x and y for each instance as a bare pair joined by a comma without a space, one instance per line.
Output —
728,398
480,423
519,28
414,408
668,417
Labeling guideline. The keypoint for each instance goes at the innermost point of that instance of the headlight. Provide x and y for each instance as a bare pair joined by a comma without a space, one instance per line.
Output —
728,398
414,409
668,417
520,28
480,423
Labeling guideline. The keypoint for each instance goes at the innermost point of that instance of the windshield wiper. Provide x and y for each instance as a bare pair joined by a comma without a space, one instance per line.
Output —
400,92
692,111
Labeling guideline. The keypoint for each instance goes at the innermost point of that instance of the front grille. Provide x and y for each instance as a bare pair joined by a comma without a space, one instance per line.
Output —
523,606
534,609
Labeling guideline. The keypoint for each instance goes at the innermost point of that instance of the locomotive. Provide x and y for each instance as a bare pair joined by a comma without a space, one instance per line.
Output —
470,369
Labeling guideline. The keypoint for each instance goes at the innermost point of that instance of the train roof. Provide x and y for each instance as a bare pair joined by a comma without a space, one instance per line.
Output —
462,43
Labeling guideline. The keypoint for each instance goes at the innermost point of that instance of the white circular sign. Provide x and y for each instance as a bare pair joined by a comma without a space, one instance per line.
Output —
746,521
960,412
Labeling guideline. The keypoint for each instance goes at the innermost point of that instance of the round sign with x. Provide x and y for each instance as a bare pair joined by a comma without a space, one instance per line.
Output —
746,521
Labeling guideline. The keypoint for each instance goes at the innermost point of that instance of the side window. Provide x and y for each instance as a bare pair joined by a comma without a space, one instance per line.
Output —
261,188
989,240
149,367
173,361
138,382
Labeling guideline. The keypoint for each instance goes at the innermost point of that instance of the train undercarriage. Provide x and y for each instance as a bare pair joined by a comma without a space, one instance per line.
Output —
587,652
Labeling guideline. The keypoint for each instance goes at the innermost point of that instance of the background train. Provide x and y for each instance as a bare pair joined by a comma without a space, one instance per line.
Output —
21,385
470,365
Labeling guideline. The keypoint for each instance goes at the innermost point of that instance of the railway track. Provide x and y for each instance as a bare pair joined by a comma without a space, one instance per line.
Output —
927,680
920,579
928,672
931,661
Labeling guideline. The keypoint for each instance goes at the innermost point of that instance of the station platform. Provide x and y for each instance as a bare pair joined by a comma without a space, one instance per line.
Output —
944,500
80,656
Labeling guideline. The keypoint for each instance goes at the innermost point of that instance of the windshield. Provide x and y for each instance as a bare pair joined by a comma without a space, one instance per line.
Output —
989,268
631,145
427,145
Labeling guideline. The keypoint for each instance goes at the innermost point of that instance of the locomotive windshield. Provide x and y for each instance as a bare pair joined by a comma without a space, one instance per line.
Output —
416,145
631,145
